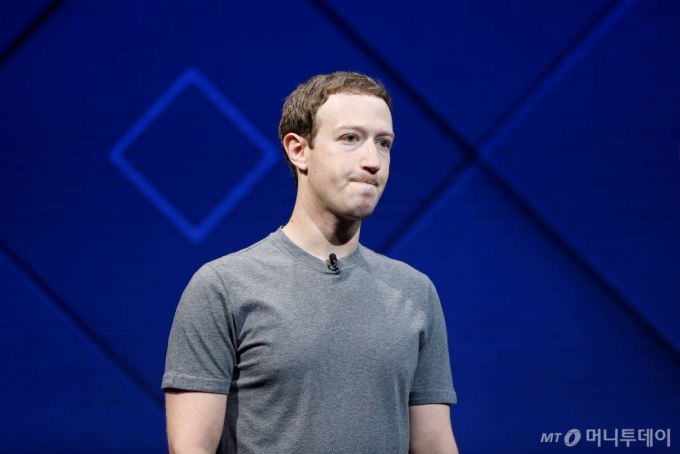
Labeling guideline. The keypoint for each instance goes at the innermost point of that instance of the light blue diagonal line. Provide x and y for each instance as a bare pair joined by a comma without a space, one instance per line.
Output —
195,233
153,194
232,112
251,178
149,117
548,81
236,194
425,220
11,261
500,132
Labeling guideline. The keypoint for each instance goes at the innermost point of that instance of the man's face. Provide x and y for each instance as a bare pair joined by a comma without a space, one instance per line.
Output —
348,167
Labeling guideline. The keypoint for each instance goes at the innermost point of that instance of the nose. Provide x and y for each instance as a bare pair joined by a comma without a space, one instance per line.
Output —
370,159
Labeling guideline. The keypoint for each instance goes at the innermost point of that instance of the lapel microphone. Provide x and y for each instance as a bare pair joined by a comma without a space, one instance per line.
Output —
332,263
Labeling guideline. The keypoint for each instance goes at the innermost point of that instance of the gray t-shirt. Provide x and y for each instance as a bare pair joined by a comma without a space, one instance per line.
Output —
312,361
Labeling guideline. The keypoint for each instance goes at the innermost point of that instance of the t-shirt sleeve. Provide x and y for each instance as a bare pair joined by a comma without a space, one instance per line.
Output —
432,383
201,348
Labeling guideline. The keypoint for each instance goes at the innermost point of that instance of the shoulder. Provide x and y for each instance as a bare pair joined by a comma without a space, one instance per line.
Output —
238,263
395,269
256,254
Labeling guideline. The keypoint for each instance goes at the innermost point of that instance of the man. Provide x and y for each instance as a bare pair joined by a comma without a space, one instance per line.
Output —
308,342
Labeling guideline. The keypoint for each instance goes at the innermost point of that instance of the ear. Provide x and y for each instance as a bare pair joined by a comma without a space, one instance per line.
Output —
296,148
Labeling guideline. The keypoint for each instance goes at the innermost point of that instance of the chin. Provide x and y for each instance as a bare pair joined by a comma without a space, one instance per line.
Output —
361,213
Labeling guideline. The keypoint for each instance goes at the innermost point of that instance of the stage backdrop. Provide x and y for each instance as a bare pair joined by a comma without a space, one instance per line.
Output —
535,179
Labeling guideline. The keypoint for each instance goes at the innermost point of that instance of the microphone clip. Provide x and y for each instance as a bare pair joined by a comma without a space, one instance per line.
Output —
332,263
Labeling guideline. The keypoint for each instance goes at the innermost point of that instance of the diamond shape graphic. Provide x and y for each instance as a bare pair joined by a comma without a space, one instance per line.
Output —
195,232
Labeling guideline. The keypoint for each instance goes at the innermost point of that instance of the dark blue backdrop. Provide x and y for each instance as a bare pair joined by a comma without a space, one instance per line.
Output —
535,178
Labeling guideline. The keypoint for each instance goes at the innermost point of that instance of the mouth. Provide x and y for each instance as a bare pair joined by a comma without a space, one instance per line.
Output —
368,182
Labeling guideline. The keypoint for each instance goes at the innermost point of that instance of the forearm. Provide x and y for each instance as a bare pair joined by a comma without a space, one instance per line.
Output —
430,430
178,448
195,421
435,444
183,441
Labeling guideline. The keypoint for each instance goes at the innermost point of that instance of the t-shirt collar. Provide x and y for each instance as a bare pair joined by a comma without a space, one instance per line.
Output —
280,239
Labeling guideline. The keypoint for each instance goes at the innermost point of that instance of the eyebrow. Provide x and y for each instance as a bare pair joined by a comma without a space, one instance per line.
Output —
362,129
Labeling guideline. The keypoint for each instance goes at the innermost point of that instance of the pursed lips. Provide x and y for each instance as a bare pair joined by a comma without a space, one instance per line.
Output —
371,182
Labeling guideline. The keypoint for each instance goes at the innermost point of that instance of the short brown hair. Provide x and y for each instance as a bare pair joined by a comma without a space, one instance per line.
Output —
301,106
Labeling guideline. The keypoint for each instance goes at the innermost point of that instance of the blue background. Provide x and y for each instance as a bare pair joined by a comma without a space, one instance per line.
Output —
535,179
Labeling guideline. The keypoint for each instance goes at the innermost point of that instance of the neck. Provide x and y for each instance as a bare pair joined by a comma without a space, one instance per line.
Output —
321,234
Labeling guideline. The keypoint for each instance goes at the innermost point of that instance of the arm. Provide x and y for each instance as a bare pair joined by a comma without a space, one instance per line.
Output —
199,364
430,430
195,421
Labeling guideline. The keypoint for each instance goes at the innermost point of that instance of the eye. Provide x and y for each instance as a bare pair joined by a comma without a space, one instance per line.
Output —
351,138
384,143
